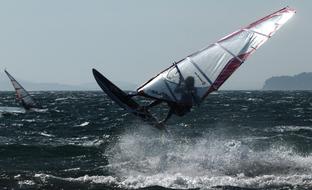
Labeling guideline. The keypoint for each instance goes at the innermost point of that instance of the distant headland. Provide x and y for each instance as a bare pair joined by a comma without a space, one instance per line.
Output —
302,81
5,85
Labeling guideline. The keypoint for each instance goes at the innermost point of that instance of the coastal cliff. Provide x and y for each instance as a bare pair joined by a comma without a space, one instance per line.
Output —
302,81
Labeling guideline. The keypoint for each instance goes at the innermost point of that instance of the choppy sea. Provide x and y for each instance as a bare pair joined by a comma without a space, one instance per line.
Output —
234,140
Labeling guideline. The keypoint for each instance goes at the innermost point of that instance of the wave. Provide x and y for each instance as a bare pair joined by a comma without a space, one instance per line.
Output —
179,181
234,139
139,159
292,128
144,158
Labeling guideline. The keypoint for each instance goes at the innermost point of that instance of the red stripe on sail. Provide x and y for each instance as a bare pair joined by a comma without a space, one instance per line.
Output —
227,71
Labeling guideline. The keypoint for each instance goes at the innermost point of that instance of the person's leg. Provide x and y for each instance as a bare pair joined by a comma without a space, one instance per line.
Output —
144,109
154,103
169,114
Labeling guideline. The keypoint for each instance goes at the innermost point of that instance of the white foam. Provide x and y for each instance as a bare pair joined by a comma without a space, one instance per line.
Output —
143,158
46,134
180,181
39,110
291,128
61,99
92,143
26,184
84,124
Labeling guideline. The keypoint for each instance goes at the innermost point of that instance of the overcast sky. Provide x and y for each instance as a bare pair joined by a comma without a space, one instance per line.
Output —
62,40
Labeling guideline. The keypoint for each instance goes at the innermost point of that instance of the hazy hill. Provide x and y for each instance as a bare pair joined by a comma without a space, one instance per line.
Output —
302,81
5,85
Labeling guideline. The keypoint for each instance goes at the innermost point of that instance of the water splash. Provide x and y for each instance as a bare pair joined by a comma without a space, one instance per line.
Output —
140,159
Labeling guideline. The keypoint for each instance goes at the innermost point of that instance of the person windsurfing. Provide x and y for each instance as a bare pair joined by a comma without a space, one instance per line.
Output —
199,73
189,97
26,100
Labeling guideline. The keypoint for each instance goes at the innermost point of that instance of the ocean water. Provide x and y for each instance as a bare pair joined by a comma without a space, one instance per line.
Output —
234,140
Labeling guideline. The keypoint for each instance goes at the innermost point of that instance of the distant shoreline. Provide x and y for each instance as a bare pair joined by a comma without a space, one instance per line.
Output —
302,81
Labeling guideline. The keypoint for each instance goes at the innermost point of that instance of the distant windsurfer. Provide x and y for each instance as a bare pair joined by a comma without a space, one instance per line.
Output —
22,95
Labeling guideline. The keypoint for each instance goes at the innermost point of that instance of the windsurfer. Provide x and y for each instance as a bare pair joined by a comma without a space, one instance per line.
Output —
183,106
22,95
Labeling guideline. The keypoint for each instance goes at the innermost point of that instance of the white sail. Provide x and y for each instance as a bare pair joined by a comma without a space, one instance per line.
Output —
22,95
210,67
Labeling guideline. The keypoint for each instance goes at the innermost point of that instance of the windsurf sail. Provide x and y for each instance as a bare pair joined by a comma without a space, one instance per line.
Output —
22,95
211,66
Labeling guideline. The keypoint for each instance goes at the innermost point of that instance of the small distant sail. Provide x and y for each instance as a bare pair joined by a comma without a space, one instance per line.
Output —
210,67
22,95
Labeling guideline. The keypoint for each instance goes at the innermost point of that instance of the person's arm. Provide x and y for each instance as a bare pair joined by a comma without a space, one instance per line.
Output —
181,78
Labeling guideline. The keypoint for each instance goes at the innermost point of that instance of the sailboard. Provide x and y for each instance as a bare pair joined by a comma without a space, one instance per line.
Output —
23,96
211,66
124,101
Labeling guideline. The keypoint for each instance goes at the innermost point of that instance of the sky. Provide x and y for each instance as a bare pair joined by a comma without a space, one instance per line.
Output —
61,41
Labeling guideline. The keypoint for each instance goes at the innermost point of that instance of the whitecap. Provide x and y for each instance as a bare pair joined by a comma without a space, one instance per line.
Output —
84,124
46,134
60,99
180,181
291,128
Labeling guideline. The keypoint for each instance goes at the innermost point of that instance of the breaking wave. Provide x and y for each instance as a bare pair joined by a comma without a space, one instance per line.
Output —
141,159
